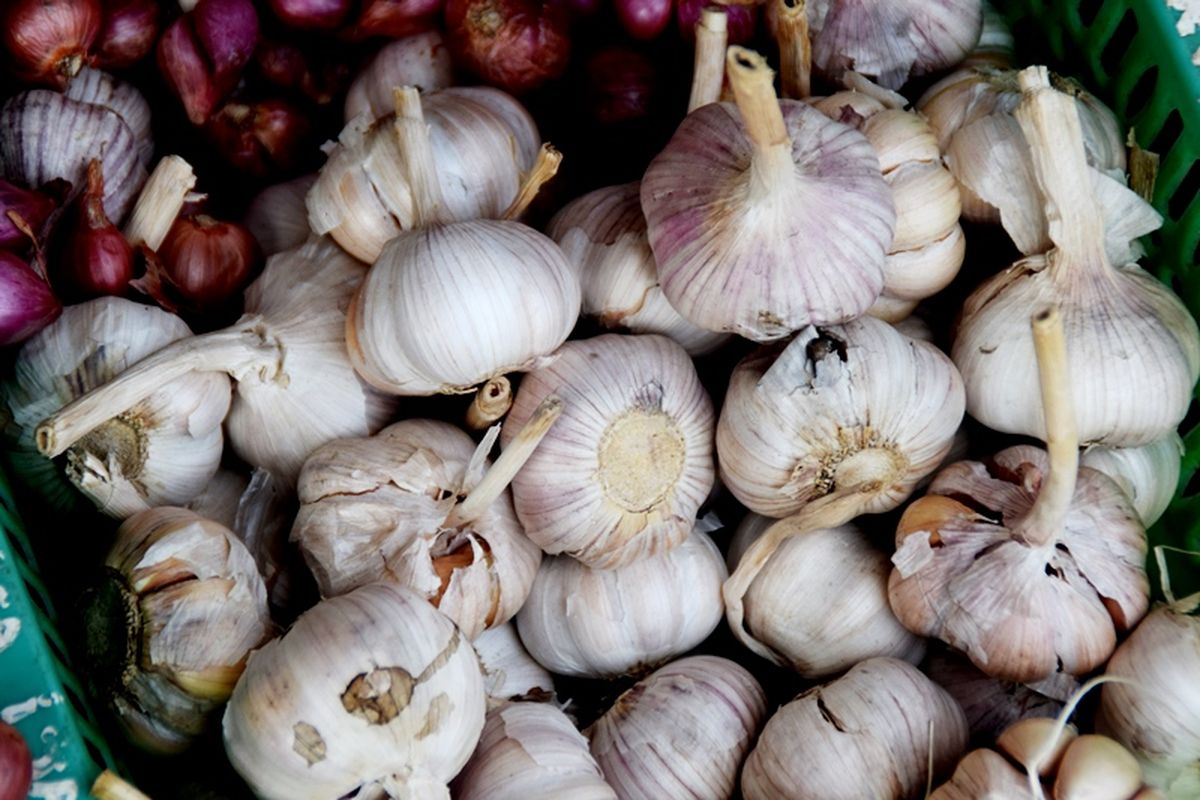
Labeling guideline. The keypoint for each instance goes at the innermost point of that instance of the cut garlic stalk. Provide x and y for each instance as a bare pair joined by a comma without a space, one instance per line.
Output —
160,201
581,621
509,672
1148,474
700,715
492,401
708,76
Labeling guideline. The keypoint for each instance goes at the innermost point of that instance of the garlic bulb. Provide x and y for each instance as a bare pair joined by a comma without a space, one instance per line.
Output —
765,216
421,60
699,715
218,500
170,624
892,41
46,136
870,733
603,623
377,510
509,672
1134,351
296,388
1156,711
1148,474
482,142
819,604
1029,564
99,88
374,693
531,751
991,705
162,448
277,215
624,471
603,234
995,45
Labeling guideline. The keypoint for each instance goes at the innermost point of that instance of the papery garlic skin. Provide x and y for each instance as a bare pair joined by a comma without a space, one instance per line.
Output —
853,409
531,751
448,307
1148,474
170,625
277,215
820,603
163,450
699,715
374,689
984,775
870,733
623,472
420,60
374,510
603,234
509,672
603,623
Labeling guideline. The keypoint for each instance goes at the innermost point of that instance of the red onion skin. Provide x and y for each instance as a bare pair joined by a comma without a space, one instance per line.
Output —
128,33
32,207
644,19
317,14
621,85
47,41
288,67
26,303
207,262
394,19
201,55
261,138
741,20
16,764
517,45
94,258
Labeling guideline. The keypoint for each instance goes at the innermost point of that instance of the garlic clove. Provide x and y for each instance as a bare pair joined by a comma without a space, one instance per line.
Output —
927,203
509,672
913,275
1037,744
983,775
1097,768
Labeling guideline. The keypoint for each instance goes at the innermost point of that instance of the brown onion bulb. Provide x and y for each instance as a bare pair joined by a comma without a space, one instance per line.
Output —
517,45
207,262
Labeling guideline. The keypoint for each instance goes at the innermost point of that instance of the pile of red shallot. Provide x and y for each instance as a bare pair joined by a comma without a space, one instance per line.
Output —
550,399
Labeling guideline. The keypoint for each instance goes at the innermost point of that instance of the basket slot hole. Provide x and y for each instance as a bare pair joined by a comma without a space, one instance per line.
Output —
1166,138
1114,51
1088,9
1185,193
1143,90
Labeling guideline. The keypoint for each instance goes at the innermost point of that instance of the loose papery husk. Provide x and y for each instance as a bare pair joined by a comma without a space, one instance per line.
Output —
509,672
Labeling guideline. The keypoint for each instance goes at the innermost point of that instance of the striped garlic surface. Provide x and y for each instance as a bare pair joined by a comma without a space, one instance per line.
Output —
1148,474
869,733
421,60
603,234
509,672
375,692
531,751
102,89
623,472
697,717
605,623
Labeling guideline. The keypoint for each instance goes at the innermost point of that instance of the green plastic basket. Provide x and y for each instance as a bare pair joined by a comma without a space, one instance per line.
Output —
1129,52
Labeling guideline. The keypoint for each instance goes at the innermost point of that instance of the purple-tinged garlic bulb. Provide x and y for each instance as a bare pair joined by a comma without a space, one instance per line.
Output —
766,216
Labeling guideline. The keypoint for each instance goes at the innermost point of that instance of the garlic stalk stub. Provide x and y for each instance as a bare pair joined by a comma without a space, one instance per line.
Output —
509,672
699,715
870,733
169,626
1148,474
603,623
623,473
603,235
1029,564
374,692
766,216
421,60
819,605
161,449
1134,350
296,388
531,751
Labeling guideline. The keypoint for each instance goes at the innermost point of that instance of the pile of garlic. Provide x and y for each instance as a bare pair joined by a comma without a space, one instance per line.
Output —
471,572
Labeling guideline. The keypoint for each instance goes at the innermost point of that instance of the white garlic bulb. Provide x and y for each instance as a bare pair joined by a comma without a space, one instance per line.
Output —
1148,474
603,234
376,510
509,672
296,387
218,500
766,216
277,216
698,715
819,605
161,449
991,705
374,692
870,733
481,142
1134,349
995,45
421,60
531,751
623,473
603,623
170,624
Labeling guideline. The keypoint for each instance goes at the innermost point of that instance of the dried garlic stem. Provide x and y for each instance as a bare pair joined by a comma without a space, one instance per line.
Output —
1050,121
753,85
160,202
795,47
1044,520
708,73
545,168
508,464
413,135
238,351
110,787
1143,168
492,401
